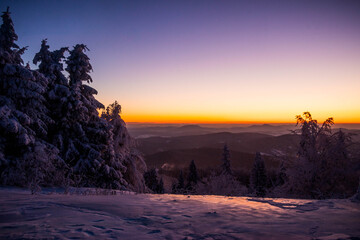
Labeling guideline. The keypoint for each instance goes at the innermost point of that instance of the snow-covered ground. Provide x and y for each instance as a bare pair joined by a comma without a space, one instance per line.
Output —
147,216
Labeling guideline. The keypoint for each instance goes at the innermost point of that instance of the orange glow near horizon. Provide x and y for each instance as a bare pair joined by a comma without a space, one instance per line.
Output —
209,119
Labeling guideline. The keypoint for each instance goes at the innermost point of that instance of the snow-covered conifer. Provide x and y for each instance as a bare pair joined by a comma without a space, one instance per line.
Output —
50,64
179,187
88,146
50,128
258,178
181,182
151,180
281,175
192,177
124,147
24,117
322,164
58,92
161,186
226,166
10,52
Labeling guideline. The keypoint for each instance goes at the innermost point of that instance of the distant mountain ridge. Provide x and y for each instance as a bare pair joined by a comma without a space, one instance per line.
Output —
244,142
193,129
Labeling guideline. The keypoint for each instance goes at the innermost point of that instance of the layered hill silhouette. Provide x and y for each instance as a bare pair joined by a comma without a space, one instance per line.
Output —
241,142
206,149
145,131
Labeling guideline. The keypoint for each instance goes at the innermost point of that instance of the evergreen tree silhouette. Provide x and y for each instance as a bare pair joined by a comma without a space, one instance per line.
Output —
179,187
192,177
226,166
258,178
160,186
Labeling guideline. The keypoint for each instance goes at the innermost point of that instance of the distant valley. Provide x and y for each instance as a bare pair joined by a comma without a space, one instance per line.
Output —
173,146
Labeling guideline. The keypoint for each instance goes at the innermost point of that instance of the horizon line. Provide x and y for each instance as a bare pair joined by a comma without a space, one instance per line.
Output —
234,123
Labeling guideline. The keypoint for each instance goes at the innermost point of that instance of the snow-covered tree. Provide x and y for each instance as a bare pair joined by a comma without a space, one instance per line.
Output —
51,64
226,166
161,186
24,117
281,175
58,92
99,151
335,165
10,52
152,182
258,178
322,164
151,179
181,181
179,187
313,137
79,68
193,177
50,129
124,147
304,175
88,146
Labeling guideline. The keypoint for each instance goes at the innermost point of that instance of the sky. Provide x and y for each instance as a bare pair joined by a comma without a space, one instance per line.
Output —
209,61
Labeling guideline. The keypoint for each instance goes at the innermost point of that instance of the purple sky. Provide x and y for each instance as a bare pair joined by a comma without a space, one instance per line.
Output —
209,61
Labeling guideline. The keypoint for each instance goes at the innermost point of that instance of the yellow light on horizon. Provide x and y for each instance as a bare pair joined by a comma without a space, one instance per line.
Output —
339,118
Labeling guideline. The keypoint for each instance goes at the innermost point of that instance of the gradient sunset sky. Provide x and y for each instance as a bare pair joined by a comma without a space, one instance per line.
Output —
209,61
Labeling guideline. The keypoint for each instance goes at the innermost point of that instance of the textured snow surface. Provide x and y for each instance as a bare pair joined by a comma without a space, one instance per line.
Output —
147,216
